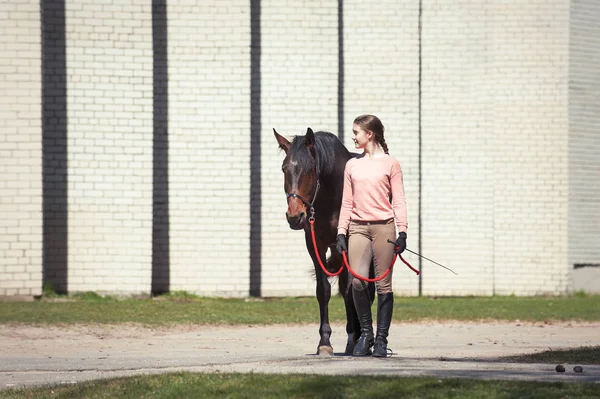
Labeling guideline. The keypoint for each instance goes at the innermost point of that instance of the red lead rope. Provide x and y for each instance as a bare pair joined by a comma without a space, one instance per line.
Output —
369,280
314,240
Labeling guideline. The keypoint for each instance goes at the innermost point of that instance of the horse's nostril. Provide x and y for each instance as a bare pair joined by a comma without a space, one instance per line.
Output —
299,218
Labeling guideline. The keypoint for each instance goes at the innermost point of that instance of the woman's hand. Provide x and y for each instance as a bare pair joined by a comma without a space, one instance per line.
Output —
341,244
400,244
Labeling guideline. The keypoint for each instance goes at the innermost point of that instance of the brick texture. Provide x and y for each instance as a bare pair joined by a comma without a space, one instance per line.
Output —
504,112
530,103
457,166
494,146
299,90
20,149
584,145
209,146
109,61
381,69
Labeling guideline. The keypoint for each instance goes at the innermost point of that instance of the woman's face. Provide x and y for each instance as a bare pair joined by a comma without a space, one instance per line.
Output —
361,137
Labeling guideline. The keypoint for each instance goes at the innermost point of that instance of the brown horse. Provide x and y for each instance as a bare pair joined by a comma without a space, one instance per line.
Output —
313,182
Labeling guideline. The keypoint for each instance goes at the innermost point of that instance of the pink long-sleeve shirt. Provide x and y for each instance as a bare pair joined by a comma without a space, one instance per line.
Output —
368,183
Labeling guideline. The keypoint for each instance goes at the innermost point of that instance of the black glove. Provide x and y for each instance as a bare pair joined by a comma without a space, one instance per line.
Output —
341,244
400,244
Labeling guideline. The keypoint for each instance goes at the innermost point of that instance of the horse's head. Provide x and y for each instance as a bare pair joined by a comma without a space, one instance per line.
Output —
300,176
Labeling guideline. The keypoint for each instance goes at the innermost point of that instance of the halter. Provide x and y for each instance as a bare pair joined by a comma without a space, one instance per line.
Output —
309,205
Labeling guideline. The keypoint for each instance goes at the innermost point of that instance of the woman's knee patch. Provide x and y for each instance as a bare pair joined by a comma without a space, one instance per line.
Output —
358,285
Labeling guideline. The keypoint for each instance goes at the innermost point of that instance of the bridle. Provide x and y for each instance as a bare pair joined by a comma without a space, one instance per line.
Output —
309,205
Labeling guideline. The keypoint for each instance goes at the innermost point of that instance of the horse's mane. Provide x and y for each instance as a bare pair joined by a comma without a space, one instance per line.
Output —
326,145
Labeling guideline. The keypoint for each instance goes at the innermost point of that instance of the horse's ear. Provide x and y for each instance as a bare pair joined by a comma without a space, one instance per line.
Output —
284,143
309,139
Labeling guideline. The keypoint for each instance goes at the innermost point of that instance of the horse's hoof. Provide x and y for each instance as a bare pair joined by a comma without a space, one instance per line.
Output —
325,351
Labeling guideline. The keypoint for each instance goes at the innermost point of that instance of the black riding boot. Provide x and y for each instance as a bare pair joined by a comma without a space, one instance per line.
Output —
385,308
363,309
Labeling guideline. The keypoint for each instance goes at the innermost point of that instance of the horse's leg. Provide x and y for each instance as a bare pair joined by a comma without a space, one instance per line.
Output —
344,284
323,295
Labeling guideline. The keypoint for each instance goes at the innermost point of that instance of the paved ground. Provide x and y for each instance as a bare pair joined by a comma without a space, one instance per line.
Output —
41,355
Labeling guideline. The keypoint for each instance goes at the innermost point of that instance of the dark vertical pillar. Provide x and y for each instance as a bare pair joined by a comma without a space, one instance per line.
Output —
420,155
341,70
160,188
54,145
255,151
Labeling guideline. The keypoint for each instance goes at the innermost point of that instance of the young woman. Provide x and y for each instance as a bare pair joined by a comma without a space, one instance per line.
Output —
367,216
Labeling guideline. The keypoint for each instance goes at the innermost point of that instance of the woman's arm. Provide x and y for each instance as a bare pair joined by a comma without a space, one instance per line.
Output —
398,198
347,201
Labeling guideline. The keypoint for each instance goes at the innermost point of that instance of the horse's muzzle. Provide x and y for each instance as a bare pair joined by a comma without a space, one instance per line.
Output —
296,222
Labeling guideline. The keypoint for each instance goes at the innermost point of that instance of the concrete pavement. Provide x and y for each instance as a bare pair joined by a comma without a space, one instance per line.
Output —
49,355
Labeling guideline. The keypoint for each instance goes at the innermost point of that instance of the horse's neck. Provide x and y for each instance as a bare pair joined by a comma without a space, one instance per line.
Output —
330,190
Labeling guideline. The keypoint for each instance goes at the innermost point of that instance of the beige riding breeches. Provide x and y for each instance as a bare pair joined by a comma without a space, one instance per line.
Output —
369,241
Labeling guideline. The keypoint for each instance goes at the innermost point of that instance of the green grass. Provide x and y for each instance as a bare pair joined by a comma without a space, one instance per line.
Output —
183,308
206,386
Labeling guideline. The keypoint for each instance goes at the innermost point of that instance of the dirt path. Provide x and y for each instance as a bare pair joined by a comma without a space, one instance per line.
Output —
41,355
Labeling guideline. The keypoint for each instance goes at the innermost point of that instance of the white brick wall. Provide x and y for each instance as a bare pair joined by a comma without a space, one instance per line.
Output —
109,61
494,146
209,146
584,144
509,164
457,167
381,68
299,90
530,78
20,149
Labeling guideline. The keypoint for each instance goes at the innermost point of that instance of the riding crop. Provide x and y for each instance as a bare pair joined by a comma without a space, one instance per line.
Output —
424,257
